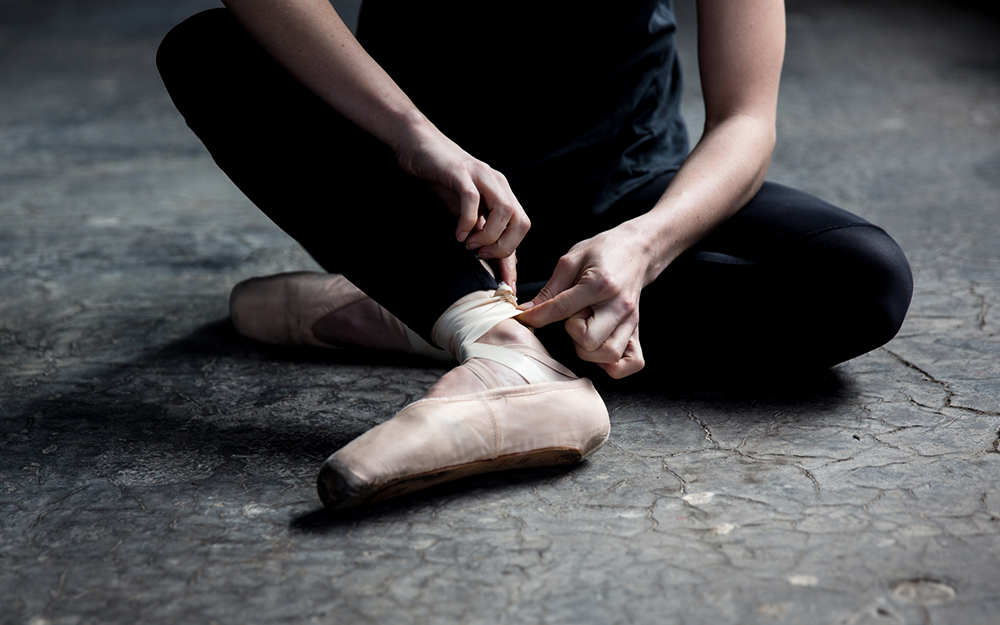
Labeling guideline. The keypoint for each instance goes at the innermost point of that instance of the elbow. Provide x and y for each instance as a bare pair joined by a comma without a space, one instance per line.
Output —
751,127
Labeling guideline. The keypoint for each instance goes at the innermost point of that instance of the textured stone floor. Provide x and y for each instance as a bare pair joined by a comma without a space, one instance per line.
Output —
155,467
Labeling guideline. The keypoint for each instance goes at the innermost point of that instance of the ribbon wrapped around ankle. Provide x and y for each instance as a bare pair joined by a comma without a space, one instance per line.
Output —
472,316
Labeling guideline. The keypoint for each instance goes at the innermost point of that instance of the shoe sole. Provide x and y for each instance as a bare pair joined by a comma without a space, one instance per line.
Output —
336,493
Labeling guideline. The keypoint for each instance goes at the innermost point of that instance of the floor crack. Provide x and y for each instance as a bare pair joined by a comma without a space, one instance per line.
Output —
943,384
704,427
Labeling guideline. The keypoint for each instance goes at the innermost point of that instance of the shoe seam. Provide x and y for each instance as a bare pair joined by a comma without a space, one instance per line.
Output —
496,429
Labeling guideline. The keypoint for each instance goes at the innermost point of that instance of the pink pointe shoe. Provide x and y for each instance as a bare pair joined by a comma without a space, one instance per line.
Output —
287,308
438,439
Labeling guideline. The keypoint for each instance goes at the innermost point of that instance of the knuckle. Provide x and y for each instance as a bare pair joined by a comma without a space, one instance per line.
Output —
604,285
583,340
501,249
600,349
628,305
575,331
565,264
583,354
607,353
560,309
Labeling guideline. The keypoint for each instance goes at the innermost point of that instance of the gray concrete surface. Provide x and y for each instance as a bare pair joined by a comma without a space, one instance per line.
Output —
155,467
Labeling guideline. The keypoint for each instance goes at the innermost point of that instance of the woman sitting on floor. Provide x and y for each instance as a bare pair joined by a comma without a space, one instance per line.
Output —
404,158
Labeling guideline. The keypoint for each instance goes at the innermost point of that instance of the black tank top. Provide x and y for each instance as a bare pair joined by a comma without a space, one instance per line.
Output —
575,102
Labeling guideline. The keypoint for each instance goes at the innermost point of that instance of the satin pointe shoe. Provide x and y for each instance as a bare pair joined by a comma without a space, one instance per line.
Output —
435,440
286,309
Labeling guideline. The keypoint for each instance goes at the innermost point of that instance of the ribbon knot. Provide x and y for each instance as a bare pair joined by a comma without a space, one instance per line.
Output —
471,317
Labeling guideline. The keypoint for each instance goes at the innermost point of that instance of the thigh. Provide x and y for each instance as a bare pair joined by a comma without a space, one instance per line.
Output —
776,221
292,155
790,281
328,184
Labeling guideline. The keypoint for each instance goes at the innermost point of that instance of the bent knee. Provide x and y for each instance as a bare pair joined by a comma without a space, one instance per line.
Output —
890,281
871,281
185,47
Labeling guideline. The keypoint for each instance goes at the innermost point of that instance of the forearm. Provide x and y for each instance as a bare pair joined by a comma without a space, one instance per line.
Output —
740,50
722,173
309,39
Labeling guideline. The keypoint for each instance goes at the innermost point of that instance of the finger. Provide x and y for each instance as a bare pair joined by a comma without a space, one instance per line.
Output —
612,308
605,324
517,227
562,306
631,362
468,210
563,277
501,206
508,271
496,223
609,351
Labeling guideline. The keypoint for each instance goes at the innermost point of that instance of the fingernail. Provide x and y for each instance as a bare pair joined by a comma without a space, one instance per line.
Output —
485,255
462,236
473,246
527,306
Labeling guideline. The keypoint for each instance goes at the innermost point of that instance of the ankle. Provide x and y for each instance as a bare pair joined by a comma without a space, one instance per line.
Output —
507,332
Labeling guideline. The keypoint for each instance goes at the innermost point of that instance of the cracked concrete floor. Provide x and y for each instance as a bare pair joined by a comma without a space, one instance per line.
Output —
158,468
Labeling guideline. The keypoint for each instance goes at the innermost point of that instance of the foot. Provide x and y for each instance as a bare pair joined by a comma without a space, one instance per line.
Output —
319,310
482,416
360,324
461,380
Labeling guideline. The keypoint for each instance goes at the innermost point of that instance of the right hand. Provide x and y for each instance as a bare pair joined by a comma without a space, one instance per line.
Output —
596,287
490,219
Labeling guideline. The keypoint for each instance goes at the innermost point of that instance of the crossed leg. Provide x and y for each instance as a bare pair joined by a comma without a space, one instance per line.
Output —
340,193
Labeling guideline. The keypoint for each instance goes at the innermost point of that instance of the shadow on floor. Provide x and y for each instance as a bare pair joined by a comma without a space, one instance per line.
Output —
213,408
322,521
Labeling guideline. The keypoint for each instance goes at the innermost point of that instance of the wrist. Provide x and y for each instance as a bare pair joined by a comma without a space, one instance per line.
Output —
645,246
409,127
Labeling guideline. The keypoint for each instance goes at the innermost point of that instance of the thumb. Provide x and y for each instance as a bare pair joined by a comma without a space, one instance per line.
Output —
468,215
508,271
562,278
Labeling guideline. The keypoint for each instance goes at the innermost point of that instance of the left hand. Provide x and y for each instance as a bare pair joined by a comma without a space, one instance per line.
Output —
489,218
506,266
596,288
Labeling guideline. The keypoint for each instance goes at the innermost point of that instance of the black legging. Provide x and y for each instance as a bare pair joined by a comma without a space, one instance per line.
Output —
789,282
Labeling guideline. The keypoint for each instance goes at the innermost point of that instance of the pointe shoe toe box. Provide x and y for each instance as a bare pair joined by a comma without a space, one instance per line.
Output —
441,439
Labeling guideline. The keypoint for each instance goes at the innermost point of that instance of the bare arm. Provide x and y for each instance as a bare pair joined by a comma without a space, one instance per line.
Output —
309,39
597,284
740,51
